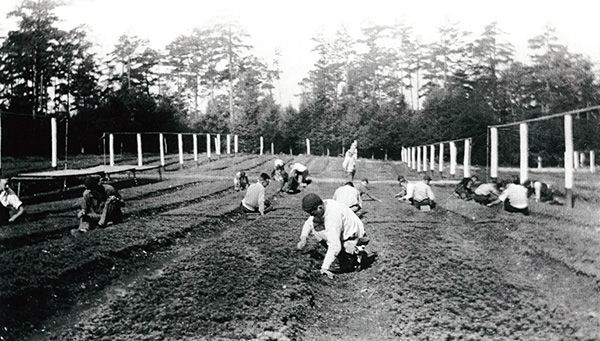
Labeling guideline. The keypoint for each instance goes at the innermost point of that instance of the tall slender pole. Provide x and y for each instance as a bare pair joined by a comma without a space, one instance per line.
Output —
54,133
494,153
419,164
467,159
441,166
432,157
195,144
592,162
161,149
218,144
272,148
180,148
261,145
424,158
235,144
524,151
414,157
569,159
228,143
111,149
307,147
138,137
452,158
208,146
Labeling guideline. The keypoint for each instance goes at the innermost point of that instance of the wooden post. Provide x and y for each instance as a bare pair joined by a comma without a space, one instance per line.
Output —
441,167
273,149
54,133
413,157
539,162
569,159
432,157
494,153
408,157
419,159
161,149
180,149
111,149
453,158
235,144
576,159
524,149
195,143
307,147
228,144
592,162
139,148
208,146
467,159
262,145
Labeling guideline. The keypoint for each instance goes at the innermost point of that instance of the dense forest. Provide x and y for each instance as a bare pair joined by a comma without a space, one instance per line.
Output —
384,88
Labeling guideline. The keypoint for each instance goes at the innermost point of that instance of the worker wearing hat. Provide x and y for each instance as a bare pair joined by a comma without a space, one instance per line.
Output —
343,233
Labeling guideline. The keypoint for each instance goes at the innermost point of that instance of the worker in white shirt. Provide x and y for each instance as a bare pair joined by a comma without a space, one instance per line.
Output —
543,192
255,201
514,197
420,194
9,201
344,232
349,196
300,173
278,169
486,193
349,163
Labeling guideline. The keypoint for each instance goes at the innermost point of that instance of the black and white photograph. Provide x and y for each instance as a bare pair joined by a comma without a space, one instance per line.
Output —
312,170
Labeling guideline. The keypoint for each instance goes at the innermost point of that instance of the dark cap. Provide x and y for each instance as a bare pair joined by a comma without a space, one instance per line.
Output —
427,178
310,202
91,182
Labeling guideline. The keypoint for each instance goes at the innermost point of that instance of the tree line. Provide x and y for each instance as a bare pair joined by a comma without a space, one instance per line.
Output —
383,87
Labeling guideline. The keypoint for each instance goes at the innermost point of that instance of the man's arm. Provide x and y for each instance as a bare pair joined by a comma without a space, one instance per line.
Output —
307,228
333,231
261,202
430,194
15,216
372,197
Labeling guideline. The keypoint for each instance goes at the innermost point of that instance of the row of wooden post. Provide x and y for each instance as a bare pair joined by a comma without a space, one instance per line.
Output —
416,157
570,155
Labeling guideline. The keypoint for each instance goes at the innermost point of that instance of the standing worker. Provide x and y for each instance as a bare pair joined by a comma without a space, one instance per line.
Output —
349,163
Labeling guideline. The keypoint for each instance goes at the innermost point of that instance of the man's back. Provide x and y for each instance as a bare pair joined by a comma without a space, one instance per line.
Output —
254,194
348,196
422,191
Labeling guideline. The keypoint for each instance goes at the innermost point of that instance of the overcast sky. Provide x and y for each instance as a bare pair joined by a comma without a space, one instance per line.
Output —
289,25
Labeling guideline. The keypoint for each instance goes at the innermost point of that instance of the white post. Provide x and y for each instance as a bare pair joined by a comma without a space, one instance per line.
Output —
218,144
419,159
576,159
413,157
432,157
424,158
228,144
208,146
161,149
180,148
272,148
441,167
307,147
467,159
408,156
262,145
111,149
235,144
569,159
452,158
524,148
592,162
195,143
54,133
139,148
494,153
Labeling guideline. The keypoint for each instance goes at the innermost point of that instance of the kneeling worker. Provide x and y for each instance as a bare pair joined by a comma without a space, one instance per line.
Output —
255,201
101,205
343,233
486,193
420,194
514,197
240,181
349,196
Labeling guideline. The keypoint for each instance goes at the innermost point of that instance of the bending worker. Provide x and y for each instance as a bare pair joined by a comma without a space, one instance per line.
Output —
9,200
101,205
255,201
343,233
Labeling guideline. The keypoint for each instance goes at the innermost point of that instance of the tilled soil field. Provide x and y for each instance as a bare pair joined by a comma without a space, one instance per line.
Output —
188,265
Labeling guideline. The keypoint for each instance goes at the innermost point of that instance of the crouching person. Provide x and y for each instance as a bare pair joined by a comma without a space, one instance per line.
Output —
240,181
255,201
420,194
9,201
343,232
101,205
